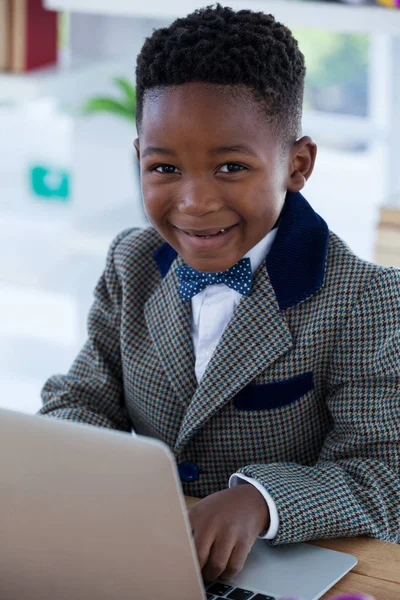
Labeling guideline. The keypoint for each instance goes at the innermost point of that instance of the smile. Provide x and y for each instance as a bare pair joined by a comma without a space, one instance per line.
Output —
208,239
208,233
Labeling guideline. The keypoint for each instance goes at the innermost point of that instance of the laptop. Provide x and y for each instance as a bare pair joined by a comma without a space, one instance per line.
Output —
95,514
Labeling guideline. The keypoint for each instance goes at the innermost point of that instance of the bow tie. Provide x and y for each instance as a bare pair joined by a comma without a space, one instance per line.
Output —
238,277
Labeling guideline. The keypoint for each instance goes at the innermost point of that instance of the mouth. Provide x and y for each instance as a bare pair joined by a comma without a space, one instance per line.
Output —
208,233
208,240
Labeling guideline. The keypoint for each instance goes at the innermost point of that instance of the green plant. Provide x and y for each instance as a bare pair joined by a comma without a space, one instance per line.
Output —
123,107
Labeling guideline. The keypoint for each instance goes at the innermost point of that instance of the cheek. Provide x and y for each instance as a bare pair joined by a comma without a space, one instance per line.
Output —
261,204
261,210
155,201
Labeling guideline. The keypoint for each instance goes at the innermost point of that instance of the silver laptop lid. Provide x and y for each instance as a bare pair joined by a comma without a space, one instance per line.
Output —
91,514
96,514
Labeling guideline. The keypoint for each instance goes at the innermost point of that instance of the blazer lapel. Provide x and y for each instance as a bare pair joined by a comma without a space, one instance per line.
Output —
168,319
256,336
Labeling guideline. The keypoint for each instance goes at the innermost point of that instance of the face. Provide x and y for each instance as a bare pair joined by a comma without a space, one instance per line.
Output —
214,176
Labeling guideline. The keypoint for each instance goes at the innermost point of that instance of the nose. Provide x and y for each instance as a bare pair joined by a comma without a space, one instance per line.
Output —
199,198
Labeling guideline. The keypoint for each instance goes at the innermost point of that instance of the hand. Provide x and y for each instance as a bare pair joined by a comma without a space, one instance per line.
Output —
225,526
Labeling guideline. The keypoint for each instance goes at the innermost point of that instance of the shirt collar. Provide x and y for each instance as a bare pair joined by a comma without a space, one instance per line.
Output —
258,252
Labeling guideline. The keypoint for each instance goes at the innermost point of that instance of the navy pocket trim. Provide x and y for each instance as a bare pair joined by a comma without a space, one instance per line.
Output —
274,395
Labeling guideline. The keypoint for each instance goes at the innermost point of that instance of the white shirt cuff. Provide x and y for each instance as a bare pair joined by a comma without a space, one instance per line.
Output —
270,533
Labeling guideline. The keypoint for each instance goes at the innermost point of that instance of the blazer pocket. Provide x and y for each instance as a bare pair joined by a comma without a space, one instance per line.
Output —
274,395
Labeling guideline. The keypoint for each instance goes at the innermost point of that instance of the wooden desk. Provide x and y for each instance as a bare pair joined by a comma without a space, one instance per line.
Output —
377,572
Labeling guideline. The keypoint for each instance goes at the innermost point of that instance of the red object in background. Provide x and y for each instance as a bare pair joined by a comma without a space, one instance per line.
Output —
34,34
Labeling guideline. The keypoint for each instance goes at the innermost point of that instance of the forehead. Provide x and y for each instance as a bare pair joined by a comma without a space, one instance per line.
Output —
203,112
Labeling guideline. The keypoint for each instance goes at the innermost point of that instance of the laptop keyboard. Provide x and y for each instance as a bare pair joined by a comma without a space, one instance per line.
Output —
217,589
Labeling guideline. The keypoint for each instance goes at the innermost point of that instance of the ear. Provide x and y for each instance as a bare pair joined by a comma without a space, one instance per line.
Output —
301,165
137,148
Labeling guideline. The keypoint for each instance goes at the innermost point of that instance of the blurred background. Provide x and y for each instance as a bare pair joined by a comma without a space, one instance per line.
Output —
68,175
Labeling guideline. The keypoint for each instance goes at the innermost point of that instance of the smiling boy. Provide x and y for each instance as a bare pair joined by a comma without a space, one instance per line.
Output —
239,329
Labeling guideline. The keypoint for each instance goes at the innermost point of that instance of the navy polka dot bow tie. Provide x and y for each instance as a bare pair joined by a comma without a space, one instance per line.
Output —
238,277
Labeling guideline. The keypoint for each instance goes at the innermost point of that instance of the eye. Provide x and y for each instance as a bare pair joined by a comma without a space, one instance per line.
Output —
232,168
164,169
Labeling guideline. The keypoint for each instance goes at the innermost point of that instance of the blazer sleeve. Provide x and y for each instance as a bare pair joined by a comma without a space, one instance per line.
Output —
92,391
354,489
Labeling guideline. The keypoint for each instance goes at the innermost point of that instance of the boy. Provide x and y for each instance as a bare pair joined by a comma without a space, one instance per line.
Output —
240,330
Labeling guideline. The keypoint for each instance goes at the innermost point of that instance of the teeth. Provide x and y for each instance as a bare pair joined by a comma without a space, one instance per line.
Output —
213,235
220,232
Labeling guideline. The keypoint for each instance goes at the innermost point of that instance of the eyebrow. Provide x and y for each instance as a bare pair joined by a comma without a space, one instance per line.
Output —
157,150
235,148
218,150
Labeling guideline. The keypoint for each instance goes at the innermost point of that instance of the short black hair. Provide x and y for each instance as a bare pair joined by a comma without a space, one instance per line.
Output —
217,45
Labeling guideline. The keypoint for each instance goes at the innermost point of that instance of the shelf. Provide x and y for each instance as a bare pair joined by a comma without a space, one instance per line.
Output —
17,87
70,82
339,17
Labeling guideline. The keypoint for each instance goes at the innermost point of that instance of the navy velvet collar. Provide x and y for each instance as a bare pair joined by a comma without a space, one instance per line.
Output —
296,260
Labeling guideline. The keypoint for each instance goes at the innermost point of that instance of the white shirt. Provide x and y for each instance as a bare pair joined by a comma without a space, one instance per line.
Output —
212,309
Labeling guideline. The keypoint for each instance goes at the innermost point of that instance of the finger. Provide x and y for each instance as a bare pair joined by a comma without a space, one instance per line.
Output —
218,559
203,541
236,560
203,537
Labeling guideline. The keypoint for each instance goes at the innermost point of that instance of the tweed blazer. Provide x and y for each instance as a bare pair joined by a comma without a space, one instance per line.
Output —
302,392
